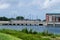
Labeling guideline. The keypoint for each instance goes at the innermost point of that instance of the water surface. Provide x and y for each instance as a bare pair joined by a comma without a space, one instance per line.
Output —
51,29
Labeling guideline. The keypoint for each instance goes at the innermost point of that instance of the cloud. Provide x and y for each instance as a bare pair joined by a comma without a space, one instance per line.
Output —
35,2
46,4
31,3
21,4
41,4
4,5
50,3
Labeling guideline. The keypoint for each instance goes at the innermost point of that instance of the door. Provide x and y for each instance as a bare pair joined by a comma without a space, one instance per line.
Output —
59,19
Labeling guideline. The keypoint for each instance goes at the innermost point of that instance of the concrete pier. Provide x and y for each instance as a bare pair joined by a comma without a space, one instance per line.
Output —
22,22
28,23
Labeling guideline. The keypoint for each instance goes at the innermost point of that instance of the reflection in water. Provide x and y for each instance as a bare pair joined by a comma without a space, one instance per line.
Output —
55,30
50,29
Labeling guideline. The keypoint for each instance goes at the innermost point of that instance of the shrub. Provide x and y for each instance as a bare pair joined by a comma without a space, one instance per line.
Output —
30,31
25,30
53,36
34,32
46,33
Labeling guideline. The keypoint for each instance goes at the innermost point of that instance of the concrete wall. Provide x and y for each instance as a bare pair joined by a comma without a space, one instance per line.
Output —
4,22
20,22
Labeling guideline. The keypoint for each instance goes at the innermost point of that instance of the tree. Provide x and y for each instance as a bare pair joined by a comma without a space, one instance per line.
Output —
11,18
4,19
19,18
38,19
44,20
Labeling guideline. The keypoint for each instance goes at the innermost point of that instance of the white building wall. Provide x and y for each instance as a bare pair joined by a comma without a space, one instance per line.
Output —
50,18
56,19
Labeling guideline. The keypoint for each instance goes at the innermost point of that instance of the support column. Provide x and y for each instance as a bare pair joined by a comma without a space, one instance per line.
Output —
54,19
47,19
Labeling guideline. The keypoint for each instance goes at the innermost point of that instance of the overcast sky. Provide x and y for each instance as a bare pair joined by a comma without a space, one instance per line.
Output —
32,9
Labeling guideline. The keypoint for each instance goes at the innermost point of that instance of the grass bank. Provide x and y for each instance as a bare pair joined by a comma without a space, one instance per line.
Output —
7,37
28,35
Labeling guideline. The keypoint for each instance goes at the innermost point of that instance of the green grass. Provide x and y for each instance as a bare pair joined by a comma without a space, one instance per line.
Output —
23,35
7,37
8,34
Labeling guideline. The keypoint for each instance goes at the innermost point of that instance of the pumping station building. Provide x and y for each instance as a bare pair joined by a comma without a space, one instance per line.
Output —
53,18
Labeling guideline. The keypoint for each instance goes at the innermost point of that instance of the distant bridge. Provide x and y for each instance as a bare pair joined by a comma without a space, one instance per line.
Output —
22,22
28,23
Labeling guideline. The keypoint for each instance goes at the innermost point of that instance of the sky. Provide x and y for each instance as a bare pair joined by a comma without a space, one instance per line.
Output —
30,9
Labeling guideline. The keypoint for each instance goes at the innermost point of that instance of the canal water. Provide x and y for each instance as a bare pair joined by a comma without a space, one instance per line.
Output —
55,30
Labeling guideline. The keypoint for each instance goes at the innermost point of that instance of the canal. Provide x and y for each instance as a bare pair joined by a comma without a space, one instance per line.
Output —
55,30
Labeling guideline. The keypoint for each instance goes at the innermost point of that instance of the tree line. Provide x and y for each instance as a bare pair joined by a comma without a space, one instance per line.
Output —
17,18
8,19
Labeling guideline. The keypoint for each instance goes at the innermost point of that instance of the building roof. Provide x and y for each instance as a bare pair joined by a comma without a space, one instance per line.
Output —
53,14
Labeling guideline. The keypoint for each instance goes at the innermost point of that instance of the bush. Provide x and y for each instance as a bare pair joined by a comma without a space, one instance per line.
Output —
44,39
29,32
35,32
25,30
46,33
53,36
